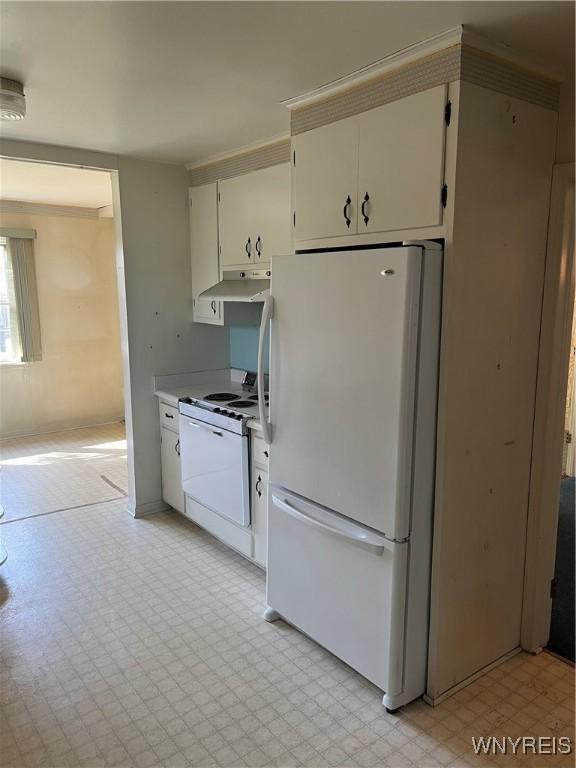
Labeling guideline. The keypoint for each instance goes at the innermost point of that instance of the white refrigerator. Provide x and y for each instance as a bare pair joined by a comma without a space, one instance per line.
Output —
352,426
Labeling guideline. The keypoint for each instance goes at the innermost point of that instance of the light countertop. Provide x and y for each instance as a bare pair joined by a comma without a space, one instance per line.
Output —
171,387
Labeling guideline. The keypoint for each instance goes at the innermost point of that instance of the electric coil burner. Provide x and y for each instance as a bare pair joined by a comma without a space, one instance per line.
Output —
221,397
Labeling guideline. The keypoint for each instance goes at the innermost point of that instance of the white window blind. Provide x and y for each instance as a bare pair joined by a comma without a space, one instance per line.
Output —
21,273
10,350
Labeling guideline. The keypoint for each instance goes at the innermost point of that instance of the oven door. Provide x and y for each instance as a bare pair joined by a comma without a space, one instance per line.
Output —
215,469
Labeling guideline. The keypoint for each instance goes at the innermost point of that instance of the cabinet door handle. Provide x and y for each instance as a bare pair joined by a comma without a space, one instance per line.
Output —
249,248
266,454
364,204
258,247
213,305
347,219
177,447
168,415
258,486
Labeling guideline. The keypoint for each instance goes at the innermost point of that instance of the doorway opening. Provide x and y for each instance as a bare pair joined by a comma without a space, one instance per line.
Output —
62,411
562,640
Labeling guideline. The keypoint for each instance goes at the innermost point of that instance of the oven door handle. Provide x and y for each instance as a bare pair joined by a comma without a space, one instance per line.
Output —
264,324
204,428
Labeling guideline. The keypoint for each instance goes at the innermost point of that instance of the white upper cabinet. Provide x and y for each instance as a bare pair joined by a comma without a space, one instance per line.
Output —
204,251
272,231
254,216
326,180
388,162
236,201
401,163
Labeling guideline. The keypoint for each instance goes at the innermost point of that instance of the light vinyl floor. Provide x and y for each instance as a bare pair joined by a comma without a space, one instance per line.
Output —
140,643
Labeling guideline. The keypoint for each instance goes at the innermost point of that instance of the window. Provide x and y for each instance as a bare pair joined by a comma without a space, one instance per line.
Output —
10,351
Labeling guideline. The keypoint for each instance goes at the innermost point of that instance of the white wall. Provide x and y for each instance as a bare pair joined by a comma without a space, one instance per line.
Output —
161,335
79,379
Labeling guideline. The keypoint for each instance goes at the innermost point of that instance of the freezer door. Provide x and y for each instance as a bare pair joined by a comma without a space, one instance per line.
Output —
343,353
341,584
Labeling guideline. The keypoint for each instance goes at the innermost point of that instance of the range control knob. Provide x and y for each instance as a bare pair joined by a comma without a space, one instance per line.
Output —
217,410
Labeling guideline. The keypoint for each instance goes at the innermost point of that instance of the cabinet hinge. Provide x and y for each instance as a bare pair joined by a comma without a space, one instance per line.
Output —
444,196
448,112
553,587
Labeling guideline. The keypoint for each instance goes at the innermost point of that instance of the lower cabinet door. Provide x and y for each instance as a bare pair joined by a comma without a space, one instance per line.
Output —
260,513
171,474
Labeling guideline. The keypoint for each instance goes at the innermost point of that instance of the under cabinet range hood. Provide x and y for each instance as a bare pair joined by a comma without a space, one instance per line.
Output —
248,285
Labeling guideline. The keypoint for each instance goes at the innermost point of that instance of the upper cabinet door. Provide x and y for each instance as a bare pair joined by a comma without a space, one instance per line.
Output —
237,203
204,251
272,229
401,164
326,180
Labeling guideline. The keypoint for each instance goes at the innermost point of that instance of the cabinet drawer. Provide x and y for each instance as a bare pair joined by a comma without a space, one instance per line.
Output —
260,451
169,417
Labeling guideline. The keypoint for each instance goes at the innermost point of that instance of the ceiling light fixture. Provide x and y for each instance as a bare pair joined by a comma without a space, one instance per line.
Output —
12,99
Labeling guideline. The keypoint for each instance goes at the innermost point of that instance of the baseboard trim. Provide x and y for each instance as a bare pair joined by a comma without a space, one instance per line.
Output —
149,508
434,701
54,430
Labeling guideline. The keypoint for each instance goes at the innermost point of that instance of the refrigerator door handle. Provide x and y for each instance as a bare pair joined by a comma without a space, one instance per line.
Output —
266,317
371,541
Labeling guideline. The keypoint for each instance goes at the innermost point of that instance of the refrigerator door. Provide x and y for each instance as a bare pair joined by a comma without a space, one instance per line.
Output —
343,355
341,584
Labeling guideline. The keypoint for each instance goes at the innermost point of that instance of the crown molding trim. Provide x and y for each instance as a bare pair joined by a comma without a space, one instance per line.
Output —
46,209
239,163
455,36
246,149
377,69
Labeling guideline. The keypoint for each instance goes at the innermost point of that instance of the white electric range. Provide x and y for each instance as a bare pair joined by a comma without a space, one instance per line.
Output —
214,449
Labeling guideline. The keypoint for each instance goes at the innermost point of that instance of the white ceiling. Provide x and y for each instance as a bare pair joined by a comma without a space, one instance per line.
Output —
54,184
182,81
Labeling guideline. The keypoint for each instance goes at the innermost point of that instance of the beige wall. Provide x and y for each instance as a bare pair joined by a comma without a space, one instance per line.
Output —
78,381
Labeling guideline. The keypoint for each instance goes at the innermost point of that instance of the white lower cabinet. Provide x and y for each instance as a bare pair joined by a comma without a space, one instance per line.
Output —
259,498
170,454
260,513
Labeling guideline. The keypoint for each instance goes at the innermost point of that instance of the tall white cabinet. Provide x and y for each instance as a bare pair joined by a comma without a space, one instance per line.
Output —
204,251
